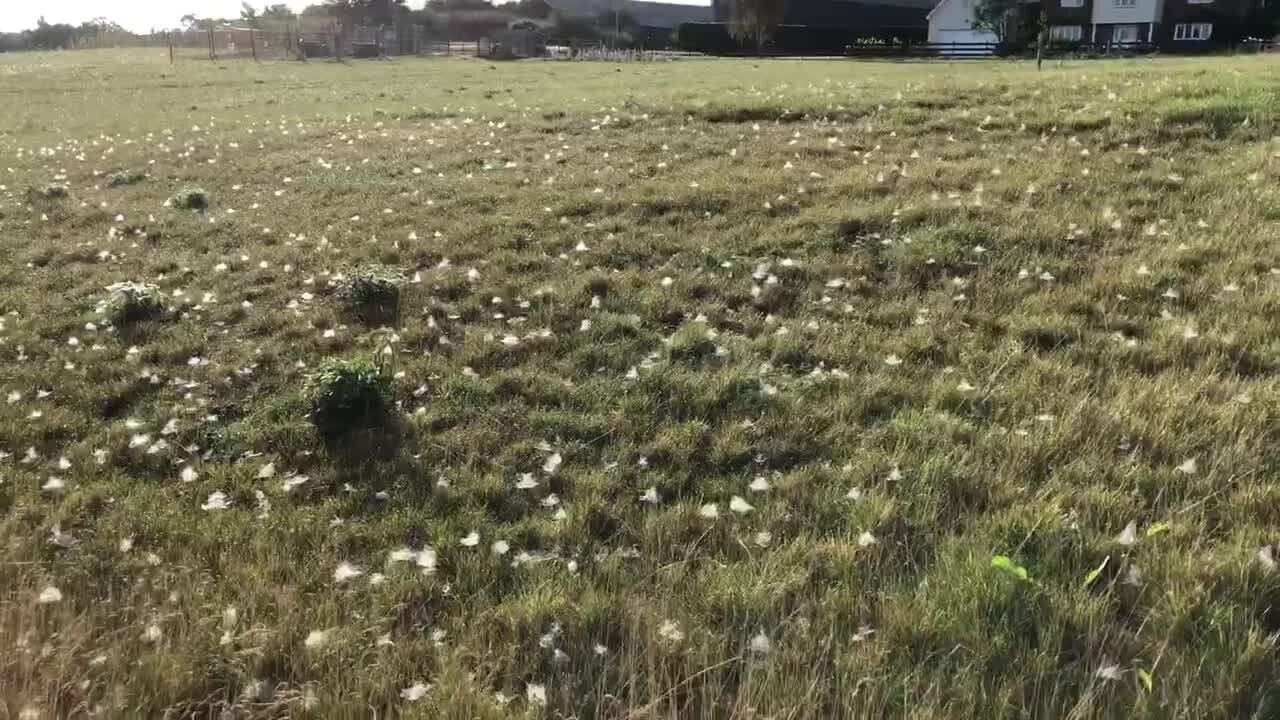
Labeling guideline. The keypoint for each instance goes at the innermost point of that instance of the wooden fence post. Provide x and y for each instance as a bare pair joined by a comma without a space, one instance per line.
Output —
212,54
169,37
253,45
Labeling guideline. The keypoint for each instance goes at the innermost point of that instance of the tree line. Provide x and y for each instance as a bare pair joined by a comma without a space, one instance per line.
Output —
455,19
49,36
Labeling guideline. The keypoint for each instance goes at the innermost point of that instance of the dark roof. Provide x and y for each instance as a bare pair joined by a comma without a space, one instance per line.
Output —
919,4
645,14
659,14
844,13
859,13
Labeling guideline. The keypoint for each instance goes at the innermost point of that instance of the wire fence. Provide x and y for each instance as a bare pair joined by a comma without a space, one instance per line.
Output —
233,43
520,44
336,42
246,43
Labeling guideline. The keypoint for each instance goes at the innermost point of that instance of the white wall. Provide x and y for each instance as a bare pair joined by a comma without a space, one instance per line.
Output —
955,15
1145,11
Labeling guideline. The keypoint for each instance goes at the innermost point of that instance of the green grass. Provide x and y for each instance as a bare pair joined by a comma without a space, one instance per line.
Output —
946,329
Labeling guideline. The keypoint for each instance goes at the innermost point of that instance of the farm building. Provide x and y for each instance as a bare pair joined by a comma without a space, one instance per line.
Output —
854,15
1174,25
652,23
1171,25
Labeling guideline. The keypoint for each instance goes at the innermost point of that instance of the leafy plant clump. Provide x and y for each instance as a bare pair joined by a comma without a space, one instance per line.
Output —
348,395
693,344
191,199
132,301
372,291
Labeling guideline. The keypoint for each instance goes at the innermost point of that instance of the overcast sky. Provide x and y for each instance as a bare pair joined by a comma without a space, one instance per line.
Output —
136,15
139,15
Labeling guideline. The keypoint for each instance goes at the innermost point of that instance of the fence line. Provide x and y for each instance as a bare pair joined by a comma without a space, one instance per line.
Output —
960,50
232,43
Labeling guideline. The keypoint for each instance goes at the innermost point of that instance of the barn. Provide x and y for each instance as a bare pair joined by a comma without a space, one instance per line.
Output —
873,17
652,23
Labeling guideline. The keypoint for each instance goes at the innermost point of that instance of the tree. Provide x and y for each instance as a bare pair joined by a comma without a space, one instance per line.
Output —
755,20
97,31
450,5
191,23
532,8
248,15
277,12
1042,36
374,12
105,25
11,41
1002,17
52,37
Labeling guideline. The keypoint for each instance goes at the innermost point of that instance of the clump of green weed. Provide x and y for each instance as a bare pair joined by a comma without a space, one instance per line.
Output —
126,177
694,343
372,291
348,395
132,301
191,199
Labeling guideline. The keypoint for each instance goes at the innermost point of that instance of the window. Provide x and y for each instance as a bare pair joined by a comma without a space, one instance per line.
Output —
1124,34
1126,3
1199,2
1072,3
1192,31
1066,33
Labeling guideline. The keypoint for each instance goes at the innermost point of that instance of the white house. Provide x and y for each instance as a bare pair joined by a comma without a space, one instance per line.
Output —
1127,21
951,21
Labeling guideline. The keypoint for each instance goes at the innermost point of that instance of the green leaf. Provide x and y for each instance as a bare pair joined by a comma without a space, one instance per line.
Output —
1010,568
1093,575
1145,678
1158,528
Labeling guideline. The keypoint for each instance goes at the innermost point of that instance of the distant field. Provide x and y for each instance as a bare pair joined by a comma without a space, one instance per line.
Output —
733,389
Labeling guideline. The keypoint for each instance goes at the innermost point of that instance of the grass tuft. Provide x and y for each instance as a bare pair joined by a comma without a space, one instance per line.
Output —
191,199
54,191
128,302
347,395
772,389
372,292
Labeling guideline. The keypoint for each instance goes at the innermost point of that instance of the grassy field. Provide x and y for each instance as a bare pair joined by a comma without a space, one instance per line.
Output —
780,389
